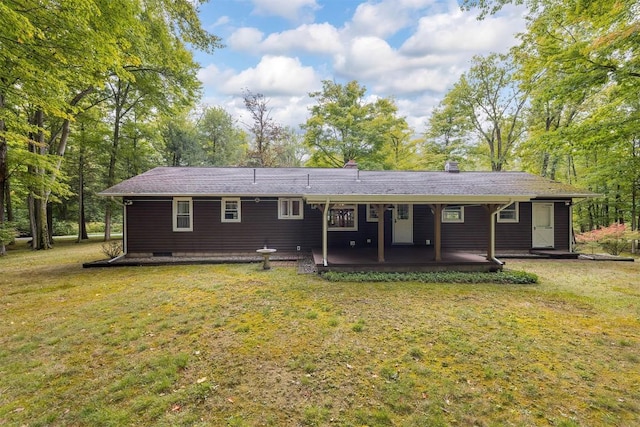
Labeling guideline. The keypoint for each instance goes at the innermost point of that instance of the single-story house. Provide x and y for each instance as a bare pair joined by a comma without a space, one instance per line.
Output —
200,211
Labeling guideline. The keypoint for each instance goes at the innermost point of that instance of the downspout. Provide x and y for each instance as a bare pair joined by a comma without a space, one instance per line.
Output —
325,226
491,256
571,226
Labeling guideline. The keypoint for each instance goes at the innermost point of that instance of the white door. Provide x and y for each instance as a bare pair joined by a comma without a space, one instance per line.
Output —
403,224
542,220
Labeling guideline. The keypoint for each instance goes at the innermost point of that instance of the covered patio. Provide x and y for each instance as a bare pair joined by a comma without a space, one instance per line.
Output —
402,259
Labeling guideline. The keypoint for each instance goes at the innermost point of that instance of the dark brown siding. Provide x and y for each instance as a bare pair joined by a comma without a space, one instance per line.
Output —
471,234
561,230
150,230
515,236
422,225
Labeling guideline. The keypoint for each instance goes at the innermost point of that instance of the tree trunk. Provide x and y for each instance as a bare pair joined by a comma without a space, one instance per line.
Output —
111,173
49,211
39,195
31,205
82,225
4,176
7,201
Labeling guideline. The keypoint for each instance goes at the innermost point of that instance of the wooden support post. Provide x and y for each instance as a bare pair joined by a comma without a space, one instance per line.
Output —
437,231
380,211
325,227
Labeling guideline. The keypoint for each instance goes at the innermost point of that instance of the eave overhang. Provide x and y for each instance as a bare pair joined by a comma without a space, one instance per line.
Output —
415,199
371,198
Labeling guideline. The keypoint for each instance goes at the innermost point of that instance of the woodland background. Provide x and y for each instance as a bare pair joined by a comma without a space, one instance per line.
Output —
96,91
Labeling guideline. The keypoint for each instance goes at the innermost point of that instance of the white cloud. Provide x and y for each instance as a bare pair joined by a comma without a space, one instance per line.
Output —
391,73
293,10
272,76
384,18
417,110
223,20
313,38
412,50
365,57
246,39
211,76
457,31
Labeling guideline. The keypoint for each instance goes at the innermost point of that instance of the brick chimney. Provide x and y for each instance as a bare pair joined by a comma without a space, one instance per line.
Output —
451,167
351,164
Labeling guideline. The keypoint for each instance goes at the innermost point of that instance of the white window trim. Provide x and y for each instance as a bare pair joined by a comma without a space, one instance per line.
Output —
290,208
175,213
223,209
509,220
453,221
355,218
371,208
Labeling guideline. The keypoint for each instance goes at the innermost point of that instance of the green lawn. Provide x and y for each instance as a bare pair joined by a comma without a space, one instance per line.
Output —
234,345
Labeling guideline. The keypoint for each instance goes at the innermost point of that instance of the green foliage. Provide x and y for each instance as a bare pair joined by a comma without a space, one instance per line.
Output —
98,227
60,59
502,277
223,142
65,228
8,233
343,127
446,136
486,106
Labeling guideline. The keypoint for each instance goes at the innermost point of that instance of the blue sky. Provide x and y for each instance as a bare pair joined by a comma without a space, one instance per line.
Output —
411,50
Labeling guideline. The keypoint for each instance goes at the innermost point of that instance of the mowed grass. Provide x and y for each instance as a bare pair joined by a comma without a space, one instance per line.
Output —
234,345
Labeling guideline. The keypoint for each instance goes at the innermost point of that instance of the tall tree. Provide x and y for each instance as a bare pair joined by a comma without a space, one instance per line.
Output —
401,149
181,141
585,59
490,97
45,77
223,142
265,130
445,136
343,126
289,149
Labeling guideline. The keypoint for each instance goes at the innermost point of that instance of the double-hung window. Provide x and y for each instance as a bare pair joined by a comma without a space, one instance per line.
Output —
230,209
182,214
453,214
509,214
343,218
290,208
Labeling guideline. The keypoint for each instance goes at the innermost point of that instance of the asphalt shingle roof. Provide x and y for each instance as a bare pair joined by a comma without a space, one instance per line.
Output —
317,182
